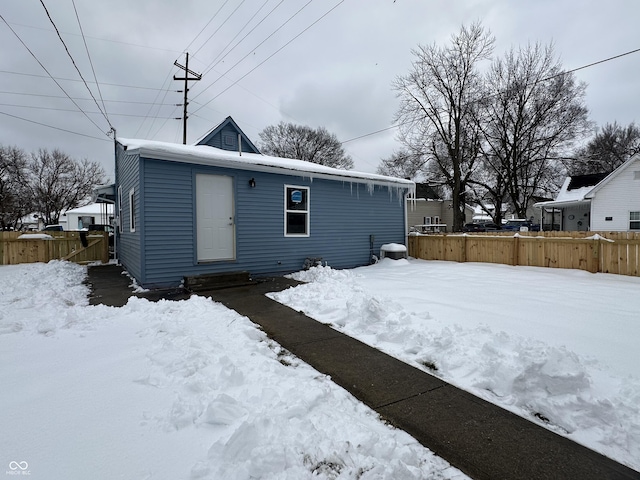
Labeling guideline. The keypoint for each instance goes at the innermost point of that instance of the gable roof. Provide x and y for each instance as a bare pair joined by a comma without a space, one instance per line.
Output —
227,135
576,187
207,155
580,189
588,180
426,191
614,174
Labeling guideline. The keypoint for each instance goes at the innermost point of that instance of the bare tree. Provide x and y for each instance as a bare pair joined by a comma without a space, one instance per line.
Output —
611,146
438,98
57,182
15,202
532,114
403,164
304,143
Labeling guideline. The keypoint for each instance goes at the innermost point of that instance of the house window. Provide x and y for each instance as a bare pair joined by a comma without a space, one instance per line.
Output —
296,211
427,220
229,140
436,220
132,211
634,220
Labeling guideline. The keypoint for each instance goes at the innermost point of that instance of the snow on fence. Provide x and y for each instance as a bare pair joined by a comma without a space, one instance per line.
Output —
28,247
607,252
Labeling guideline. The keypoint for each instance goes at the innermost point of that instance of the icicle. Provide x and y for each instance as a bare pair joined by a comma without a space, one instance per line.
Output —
371,188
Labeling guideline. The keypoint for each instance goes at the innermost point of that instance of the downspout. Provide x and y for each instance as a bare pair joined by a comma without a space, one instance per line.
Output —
542,219
116,230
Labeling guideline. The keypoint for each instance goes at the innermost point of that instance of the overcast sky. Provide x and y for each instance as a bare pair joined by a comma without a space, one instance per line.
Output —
331,64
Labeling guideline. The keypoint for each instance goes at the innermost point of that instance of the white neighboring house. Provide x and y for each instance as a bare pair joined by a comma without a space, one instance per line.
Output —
94,213
608,204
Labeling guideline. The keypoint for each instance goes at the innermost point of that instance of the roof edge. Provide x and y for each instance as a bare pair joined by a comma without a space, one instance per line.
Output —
612,175
207,155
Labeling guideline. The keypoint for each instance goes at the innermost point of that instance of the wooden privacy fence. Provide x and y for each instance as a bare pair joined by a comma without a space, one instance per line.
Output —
78,247
607,252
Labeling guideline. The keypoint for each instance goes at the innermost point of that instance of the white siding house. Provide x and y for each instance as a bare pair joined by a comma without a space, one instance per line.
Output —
612,204
94,213
615,202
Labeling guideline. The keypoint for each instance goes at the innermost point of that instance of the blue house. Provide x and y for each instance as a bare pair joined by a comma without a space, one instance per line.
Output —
188,210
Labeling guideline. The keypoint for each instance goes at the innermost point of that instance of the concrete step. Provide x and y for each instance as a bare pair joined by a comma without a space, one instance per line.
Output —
217,281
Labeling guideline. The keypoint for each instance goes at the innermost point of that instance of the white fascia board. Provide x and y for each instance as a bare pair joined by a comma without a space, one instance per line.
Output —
561,204
612,175
255,163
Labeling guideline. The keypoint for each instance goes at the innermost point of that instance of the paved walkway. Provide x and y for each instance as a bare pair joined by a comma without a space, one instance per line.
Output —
479,438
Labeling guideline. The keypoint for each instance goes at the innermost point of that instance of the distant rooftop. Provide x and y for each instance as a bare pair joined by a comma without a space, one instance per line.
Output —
589,180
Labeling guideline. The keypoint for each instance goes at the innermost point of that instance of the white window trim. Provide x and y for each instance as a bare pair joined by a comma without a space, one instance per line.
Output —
120,208
307,211
132,211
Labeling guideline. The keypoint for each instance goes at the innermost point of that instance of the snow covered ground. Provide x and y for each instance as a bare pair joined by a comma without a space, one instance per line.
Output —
192,390
559,347
172,390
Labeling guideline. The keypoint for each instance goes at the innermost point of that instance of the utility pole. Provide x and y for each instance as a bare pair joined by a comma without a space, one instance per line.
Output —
186,78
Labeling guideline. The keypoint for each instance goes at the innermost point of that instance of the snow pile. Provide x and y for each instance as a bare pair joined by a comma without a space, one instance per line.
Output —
162,390
571,366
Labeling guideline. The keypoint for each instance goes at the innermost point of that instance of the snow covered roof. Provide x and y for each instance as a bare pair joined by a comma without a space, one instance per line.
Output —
92,208
574,191
633,160
207,155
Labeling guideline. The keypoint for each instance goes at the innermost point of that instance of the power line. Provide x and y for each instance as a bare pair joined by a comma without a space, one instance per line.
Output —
86,99
274,53
253,49
98,38
55,128
372,133
84,40
76,80
155,100
207,24
215,61
551,77
218,29
74,62
73,111
597,63
50,76
134,102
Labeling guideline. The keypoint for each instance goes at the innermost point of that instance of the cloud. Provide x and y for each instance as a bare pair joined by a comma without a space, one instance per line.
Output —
334,71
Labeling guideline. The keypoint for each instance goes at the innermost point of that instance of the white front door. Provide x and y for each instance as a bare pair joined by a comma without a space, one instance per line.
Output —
214,218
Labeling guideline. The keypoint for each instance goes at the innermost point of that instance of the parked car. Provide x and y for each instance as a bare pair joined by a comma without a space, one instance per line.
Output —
480,227
516,224
53,228
100,228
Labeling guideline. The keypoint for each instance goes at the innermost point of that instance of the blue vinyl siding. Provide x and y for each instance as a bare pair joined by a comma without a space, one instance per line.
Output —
226,138
342,217
128,244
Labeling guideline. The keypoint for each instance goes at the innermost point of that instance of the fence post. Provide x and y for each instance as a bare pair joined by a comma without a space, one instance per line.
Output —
595,261
516,247
464,248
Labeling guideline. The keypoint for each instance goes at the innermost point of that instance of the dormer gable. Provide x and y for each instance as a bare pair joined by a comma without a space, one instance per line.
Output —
228,136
